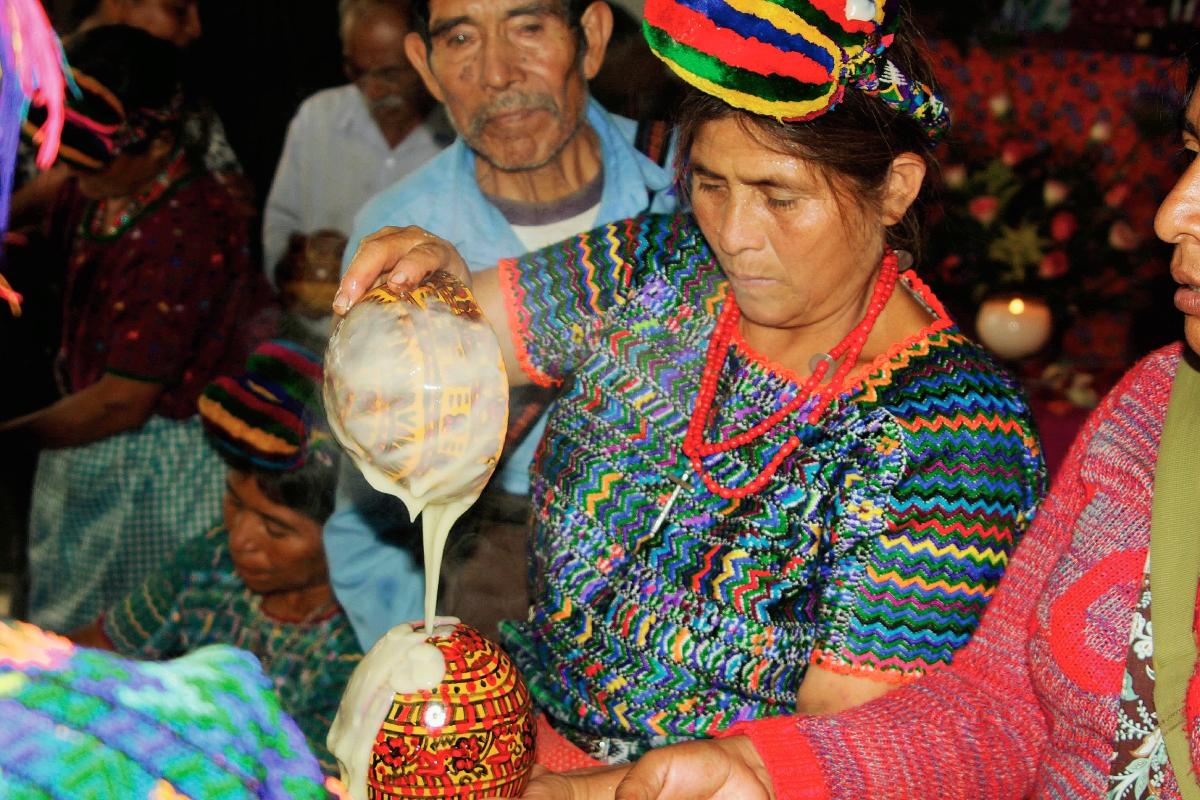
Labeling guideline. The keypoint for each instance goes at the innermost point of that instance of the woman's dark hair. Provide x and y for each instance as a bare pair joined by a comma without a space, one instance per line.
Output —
308,490
852,146
141,70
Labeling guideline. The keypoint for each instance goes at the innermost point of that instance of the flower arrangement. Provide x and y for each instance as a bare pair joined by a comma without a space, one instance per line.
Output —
1037,222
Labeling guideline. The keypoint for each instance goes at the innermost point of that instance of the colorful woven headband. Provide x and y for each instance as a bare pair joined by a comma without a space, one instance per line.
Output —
98,127
271,417
788,59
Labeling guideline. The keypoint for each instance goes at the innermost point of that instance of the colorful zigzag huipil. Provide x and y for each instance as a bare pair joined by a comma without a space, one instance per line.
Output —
872,551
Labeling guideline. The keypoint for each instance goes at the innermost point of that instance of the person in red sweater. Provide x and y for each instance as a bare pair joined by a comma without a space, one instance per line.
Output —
1055,695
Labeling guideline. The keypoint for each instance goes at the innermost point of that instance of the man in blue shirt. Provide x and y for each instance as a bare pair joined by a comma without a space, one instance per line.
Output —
536,161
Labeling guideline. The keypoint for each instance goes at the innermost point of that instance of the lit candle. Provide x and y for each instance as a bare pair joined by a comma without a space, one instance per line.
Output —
1014,327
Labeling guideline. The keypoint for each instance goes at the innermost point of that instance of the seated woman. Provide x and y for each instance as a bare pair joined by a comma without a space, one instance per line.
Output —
780,478
259,580
161,297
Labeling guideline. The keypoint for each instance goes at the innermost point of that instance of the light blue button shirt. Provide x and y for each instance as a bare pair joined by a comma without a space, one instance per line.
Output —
378,584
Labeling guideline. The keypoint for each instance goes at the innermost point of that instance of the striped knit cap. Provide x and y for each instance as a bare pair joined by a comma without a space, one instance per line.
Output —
788,59
271,417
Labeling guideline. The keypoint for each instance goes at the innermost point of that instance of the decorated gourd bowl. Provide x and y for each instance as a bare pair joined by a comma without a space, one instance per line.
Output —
416,392
471,736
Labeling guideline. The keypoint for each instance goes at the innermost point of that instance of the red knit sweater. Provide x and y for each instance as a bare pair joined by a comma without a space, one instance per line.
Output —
1029,707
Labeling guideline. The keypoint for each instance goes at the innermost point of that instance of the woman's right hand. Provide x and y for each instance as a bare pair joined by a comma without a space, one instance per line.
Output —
403,257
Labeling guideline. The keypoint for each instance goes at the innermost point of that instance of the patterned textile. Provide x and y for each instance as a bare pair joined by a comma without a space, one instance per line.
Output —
105,514
789,62
1140,752
272,415
1031,707
872,552
197,599
170,297
85,725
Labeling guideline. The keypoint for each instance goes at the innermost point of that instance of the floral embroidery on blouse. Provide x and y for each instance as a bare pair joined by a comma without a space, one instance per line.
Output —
1139,752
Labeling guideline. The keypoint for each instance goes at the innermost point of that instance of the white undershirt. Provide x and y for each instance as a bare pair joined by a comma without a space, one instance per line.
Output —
535,237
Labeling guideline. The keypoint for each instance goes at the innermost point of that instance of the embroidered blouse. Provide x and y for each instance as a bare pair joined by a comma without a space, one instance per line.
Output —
872,551
197,599
169,295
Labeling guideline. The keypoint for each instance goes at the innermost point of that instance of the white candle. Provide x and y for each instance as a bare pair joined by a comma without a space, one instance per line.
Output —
1014,327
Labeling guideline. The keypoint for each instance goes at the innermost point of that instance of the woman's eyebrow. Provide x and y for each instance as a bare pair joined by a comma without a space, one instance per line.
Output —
268,517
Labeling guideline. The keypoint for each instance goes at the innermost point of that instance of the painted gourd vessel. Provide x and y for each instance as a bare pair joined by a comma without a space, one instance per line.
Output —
416,391
471,737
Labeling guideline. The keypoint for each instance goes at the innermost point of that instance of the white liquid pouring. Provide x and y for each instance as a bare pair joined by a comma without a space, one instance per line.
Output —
402,662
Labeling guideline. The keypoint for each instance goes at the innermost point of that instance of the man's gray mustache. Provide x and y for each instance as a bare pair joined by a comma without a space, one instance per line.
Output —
511,104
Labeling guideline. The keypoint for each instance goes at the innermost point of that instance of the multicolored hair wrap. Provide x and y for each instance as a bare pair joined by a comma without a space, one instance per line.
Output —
788,59
98,126
271,417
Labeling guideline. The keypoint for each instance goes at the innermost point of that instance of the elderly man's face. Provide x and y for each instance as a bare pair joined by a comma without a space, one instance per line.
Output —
511,74
1178,223
374,59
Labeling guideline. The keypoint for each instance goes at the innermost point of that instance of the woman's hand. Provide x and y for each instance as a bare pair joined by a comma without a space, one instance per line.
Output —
716,769
403,257
713,769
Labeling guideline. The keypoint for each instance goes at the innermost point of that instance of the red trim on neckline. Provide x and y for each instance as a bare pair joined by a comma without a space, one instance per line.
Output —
860,373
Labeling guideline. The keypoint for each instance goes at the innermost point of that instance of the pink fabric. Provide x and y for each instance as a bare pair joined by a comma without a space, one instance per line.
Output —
1029,708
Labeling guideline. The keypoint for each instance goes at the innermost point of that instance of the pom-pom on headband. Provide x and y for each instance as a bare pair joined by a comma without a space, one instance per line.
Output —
271,417
789,59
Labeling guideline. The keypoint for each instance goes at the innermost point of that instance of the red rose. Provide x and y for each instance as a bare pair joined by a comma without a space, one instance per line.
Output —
1014,153
984,209
1054,265
1063,226
948,266
1117,195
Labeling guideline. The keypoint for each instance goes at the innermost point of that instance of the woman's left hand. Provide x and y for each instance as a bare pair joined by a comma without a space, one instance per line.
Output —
717,769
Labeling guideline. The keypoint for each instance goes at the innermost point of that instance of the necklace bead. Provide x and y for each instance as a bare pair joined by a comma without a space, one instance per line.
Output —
694,447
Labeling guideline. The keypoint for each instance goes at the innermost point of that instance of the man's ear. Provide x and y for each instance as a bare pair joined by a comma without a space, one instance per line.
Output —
418,56
597,24
904,184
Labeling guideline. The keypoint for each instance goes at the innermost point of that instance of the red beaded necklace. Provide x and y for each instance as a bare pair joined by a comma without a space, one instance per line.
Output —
694,446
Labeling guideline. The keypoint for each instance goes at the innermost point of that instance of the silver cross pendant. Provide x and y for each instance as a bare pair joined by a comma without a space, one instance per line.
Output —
680,485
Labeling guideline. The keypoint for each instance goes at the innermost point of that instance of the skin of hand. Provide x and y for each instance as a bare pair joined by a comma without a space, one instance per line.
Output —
92,636
406,256
716,769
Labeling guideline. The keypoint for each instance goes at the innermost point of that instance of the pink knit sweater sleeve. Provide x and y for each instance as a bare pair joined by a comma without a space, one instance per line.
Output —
976,730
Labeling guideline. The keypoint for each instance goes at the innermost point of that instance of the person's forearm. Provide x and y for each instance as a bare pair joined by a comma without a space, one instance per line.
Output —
92,636
77,419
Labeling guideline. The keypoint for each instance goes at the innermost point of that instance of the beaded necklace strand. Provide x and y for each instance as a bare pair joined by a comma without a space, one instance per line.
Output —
694,446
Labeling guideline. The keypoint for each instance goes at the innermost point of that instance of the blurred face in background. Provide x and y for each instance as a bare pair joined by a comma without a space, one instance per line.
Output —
177,21
511,74
373,53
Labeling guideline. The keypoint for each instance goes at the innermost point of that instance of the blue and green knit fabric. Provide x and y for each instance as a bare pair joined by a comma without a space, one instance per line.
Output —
80,724
873,550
